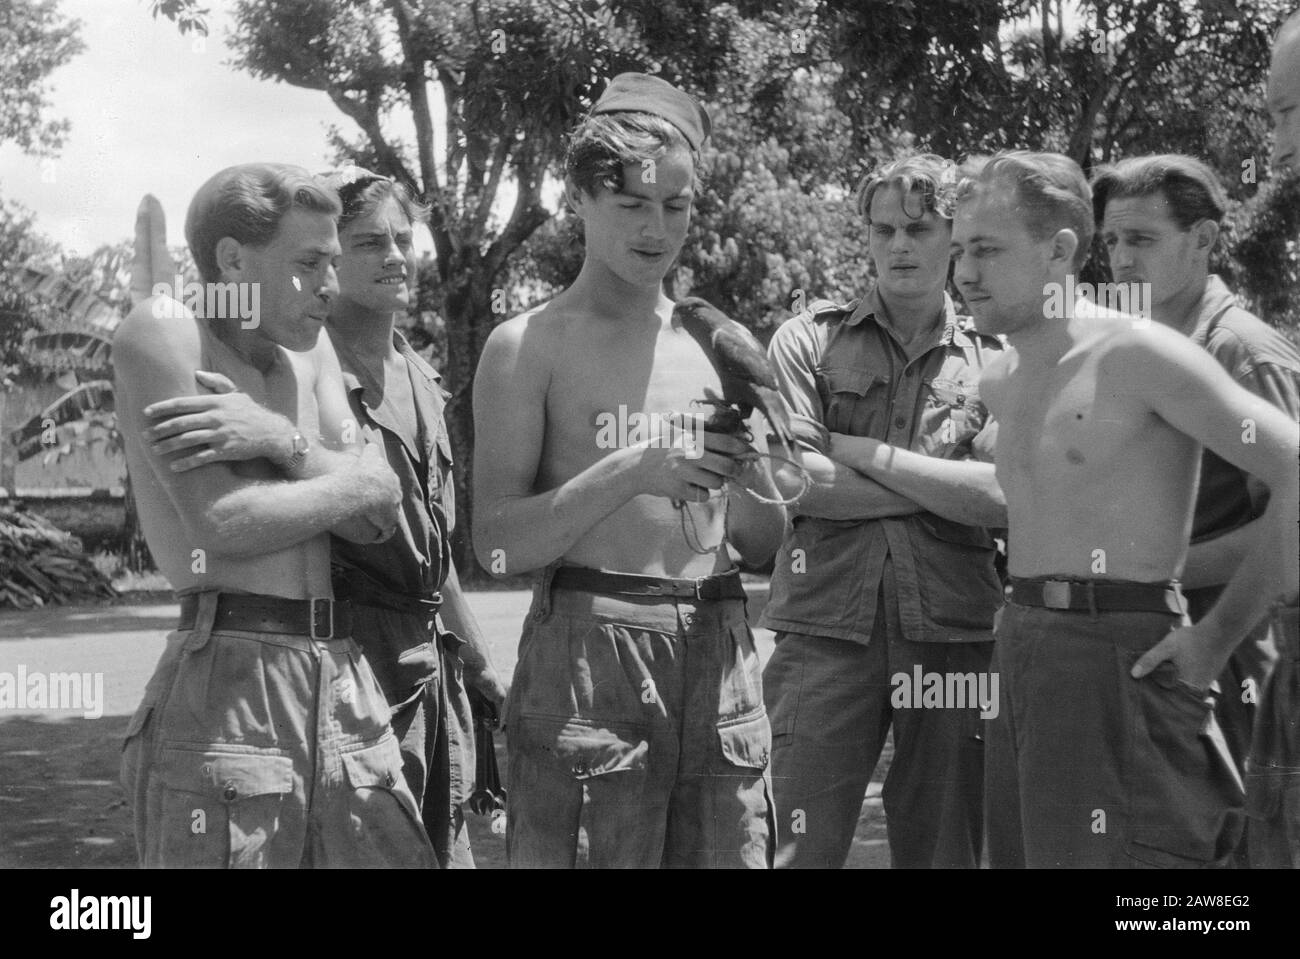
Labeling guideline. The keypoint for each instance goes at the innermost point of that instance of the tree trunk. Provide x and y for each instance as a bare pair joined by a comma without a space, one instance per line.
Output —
469,322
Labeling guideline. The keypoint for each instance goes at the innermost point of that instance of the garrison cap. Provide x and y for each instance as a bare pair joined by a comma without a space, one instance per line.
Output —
642,93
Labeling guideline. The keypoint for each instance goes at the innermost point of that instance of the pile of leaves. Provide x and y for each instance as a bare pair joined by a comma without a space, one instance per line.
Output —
41,564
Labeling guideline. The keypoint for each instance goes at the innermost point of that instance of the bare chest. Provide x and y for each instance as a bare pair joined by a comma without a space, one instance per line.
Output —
1064,425
610,392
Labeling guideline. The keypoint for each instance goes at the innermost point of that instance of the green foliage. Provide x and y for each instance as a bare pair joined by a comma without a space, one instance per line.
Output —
1118,79
35,39
1265,255
20,313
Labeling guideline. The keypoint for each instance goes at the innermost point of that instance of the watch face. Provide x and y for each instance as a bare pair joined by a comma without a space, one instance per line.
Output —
300,446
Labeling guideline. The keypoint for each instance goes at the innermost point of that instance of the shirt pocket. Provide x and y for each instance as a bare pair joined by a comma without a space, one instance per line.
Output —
955,572
856,400
951,416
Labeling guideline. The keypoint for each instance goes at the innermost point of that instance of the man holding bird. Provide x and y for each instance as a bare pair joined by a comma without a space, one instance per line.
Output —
636,716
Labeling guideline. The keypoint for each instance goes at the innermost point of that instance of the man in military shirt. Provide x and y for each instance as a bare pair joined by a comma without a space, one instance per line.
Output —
409,617
1159,218
884,594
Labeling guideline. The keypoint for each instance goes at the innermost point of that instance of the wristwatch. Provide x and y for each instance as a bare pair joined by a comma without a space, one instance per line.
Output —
299,447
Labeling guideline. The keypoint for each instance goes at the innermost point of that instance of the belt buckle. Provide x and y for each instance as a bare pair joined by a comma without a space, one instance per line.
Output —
1056,594
329,605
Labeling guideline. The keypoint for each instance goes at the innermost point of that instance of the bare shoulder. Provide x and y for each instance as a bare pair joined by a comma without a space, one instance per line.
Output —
159,320
526,344
1137,346
157,328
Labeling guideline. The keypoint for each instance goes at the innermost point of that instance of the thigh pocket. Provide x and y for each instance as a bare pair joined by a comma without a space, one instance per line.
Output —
216,809
746,742
1185,797
133,747
385,822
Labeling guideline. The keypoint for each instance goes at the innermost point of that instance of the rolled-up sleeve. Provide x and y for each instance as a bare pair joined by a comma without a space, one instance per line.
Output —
793,354
1278,385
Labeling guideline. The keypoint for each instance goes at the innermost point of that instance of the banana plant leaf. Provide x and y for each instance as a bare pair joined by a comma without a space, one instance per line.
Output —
95,396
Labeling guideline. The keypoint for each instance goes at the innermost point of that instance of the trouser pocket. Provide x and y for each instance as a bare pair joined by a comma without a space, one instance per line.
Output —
1185,796
216,809
385,824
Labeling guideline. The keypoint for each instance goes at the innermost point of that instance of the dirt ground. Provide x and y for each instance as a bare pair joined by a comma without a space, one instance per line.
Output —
60,802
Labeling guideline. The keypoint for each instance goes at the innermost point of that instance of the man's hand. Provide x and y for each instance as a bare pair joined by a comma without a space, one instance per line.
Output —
757,467
225,425
676,467
493,689
1192,651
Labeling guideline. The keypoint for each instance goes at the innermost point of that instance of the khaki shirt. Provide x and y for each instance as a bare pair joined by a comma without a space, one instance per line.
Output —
415,560
401,645
1262,360
843,371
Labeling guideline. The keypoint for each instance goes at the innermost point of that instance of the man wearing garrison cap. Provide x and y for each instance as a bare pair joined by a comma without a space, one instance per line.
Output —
636,718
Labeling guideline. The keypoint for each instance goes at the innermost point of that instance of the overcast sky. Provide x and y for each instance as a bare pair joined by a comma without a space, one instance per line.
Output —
153,113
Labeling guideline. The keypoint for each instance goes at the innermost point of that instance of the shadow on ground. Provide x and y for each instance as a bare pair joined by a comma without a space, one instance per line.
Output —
61,805
60,802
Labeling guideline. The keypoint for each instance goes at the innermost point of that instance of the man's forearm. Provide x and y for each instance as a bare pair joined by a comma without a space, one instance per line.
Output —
1267,573
964,491
267,517
840,492
475,654
522,533
322,461
755,528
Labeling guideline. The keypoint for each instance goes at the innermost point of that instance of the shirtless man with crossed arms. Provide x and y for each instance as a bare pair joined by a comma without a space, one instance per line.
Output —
263,739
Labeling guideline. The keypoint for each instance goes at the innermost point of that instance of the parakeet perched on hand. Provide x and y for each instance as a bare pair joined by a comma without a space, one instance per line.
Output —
748,381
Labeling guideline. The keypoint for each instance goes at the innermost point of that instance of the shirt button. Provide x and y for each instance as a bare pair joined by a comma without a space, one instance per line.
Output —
900,422
688,619
230,793
908,372
390,780
580,768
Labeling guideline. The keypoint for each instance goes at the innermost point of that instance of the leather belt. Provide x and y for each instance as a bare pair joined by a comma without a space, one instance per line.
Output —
255,613
722,586
1099,595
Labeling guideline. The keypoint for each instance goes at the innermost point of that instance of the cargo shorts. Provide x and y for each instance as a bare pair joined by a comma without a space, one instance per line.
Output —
267,750
637,735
